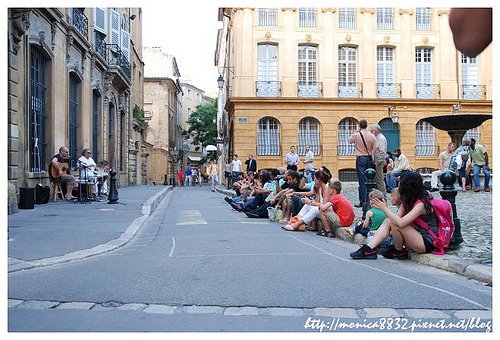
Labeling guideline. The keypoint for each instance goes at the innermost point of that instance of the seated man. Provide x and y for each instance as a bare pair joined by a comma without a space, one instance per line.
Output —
88,170
444,164
59,168
337,212
400,164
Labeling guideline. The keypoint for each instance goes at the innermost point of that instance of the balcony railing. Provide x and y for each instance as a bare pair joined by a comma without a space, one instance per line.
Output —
428,91
80,21
473,92
309,89
350,90
388,90
100,45
117,58
268,88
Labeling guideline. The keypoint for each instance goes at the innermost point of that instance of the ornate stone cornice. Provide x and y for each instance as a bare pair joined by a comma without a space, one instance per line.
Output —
367,10
387,39
425,40
348,38
308,38
443,12
328,9
408,11
267,35
293,9
20,24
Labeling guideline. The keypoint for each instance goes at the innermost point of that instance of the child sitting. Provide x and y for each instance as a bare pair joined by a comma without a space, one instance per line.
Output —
374,218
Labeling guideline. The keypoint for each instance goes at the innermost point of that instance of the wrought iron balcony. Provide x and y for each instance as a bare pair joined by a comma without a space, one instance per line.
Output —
309,89
388,90
268,89
350,90
428,91
473,92
80,21
117,58
100,45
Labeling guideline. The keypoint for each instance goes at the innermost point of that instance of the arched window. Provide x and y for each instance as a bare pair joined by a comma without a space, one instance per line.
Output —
347,127
472,133
309,135
426,141
268,137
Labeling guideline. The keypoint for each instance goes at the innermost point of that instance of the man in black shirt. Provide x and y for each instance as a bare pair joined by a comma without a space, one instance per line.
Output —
251,164
59,168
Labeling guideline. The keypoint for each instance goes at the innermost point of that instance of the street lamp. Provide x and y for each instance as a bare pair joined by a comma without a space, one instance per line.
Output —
393,114
220,82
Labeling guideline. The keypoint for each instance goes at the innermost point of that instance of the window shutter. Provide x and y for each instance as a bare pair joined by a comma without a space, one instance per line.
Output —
100,20
125,45
115,28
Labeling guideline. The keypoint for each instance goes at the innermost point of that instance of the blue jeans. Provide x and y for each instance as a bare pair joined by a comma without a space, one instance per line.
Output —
391,179
362,163
476,170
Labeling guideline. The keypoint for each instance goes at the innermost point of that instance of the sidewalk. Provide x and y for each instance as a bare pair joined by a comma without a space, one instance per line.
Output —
63,231
473,259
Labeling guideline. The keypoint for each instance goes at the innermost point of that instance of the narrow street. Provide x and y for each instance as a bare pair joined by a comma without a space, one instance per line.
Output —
198,265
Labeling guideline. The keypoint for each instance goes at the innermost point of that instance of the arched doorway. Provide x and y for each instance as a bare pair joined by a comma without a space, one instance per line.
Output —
391,132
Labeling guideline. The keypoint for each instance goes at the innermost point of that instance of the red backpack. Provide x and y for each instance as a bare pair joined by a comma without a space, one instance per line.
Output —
444,217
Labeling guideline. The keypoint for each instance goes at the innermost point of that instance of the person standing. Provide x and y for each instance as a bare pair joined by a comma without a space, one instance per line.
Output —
187,180
292,159
251,164
479,157
180,175
212,172
227,173
380,160
365,149
444,163
309,160
235,168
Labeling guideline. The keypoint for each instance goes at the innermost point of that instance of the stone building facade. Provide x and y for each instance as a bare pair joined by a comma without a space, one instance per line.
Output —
306,76
74,75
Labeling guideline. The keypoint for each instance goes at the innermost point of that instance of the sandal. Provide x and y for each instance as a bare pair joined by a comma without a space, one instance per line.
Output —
308,228
326,233
287,228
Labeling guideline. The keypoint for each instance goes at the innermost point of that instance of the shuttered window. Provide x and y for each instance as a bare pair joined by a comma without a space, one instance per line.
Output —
268,137
309,134
426,139
347,127
101,20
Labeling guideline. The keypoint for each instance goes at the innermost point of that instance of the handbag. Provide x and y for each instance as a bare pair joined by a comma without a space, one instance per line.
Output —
372,165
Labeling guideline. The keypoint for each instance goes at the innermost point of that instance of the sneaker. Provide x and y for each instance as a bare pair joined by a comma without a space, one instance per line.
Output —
392,253
487,189
365,252
228,200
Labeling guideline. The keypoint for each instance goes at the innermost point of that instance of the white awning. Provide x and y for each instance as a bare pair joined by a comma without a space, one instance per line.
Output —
194,158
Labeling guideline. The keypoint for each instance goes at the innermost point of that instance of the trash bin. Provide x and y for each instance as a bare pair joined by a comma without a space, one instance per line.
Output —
26,198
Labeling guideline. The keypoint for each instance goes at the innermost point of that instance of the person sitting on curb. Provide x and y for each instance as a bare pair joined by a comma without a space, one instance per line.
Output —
310,209
373,220
336,212
401,225
296,183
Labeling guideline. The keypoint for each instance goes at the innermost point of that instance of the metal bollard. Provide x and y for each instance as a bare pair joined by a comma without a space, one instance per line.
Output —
449,192
370,185
113,193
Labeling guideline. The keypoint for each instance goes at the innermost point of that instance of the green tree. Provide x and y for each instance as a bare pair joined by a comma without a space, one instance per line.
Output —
202,124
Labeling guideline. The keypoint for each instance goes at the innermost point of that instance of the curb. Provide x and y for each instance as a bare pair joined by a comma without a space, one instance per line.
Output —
450,263
148,207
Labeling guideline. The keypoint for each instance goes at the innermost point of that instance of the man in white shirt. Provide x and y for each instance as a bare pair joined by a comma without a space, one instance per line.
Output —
235,168
444,163
292,159
309,159
400,164
380,160
87,169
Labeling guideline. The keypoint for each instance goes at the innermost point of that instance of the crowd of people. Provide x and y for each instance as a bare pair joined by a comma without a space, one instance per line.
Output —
310,200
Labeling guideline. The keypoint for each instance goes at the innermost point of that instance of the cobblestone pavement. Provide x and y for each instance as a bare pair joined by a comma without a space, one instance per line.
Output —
474,209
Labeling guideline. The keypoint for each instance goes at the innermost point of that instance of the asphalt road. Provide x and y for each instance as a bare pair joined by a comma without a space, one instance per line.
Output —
198,265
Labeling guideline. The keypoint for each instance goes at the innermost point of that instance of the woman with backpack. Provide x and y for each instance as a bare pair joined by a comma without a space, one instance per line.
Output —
404,225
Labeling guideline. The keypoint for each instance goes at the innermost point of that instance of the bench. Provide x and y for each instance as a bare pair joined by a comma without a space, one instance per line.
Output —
426,176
